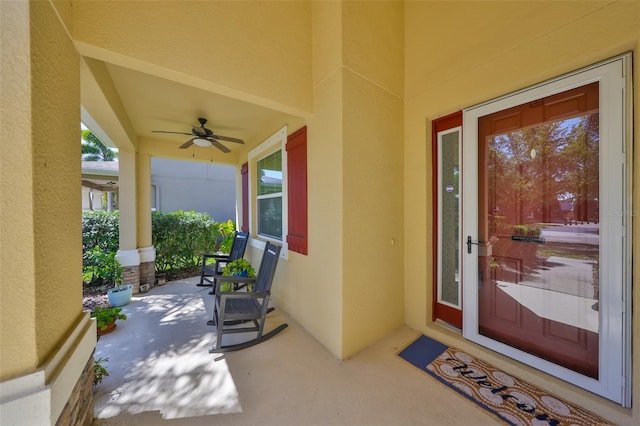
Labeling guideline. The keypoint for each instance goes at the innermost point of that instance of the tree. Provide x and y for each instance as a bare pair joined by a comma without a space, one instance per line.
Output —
530,170
582,178
525,171
94,150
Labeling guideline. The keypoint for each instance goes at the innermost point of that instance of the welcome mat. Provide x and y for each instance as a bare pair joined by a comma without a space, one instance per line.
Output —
511,399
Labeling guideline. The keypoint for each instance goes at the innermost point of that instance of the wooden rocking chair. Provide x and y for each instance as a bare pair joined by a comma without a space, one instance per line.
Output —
231,308
212,270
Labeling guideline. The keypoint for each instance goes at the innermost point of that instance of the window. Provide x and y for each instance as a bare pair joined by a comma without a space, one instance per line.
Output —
155,197
274,191
269,195
267,177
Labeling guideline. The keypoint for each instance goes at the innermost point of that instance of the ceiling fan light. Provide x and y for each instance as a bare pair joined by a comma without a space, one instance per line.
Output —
202,142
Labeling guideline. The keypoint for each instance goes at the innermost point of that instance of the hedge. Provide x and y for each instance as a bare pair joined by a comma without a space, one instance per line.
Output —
178,237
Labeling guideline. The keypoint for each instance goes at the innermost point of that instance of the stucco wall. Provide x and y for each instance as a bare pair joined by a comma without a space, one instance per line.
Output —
373,285
462,54
268,64
56,107
354,269
17,280
41,269
313,290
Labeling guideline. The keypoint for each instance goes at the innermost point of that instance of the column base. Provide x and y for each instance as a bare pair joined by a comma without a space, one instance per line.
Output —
61,391
147,266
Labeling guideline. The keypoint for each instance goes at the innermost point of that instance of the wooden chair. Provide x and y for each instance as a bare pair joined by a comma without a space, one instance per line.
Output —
233,308
211,270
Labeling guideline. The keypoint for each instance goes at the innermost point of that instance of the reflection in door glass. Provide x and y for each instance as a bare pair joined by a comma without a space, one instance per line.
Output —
539,273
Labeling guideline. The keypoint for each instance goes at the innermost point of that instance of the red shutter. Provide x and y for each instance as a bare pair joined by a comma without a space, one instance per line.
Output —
244,171
297,190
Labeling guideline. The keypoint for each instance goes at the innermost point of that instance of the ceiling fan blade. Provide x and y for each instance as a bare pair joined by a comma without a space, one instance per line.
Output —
177,133
220,146
227,138
187,144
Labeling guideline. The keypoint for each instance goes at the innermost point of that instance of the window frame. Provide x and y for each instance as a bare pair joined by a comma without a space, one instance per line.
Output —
273,143
442,310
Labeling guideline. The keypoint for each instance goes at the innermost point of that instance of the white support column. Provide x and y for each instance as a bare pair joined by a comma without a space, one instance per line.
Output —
128,255
143,200
144,236
127,199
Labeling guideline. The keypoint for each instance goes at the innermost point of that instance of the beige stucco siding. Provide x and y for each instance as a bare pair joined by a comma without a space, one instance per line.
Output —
311,286
41,266
17,264
312,292
373,285
254,50
55,99
372,79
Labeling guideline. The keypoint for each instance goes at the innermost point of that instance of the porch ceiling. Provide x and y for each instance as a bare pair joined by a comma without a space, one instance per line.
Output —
149,102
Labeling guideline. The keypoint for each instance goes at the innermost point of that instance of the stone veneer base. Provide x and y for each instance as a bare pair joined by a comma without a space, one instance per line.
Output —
79,408
148,273
131,275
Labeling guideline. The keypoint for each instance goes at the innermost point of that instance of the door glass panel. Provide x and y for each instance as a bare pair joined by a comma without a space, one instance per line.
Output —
538,216
449,228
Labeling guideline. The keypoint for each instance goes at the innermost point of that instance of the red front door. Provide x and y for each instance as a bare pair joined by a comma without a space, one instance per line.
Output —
538,217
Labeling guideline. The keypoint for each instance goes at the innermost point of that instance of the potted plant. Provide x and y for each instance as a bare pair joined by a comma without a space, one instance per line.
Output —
120,294
106,318
99,370
237,268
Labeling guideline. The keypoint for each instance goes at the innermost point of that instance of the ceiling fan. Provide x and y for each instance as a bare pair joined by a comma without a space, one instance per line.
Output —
204,137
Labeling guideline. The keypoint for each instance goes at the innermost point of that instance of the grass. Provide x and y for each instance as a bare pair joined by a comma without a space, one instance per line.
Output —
566,253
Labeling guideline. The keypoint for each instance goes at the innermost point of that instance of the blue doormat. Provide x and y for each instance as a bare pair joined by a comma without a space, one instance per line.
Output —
511,399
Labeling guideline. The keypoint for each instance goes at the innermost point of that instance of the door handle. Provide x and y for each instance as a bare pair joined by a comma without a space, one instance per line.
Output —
470,241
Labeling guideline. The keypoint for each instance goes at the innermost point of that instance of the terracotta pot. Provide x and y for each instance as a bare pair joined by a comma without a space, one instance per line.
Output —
110,327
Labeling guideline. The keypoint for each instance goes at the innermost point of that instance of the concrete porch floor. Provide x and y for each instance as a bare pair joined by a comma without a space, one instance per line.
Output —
160,372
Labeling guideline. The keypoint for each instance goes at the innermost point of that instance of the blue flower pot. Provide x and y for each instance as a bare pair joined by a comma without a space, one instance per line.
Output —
120,295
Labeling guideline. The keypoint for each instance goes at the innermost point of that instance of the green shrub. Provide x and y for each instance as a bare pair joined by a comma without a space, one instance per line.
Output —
100,228
101,267
100,241
179,238
532,230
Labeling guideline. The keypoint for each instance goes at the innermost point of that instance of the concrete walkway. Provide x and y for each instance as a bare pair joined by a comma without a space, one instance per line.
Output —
161,372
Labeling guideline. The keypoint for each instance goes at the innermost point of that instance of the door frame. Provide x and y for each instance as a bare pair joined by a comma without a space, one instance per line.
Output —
615,122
